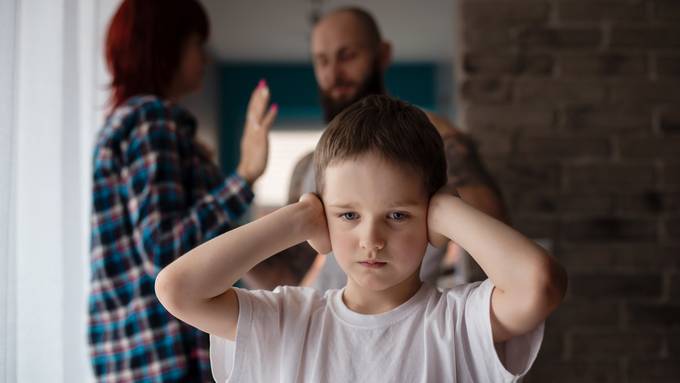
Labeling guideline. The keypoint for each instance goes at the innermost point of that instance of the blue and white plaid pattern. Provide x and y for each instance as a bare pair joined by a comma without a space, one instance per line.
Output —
156,195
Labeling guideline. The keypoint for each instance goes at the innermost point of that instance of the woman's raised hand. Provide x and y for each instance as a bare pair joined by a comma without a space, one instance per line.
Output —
255,141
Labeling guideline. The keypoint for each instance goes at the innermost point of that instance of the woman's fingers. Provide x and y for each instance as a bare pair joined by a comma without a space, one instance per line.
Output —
254,142
268,119
258,103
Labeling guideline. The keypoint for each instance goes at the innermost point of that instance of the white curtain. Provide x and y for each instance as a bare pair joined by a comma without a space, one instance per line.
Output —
52,97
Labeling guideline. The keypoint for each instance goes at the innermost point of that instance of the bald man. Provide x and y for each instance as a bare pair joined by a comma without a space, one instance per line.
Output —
350,59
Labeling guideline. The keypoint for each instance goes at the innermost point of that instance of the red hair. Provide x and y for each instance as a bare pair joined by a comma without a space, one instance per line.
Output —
144,44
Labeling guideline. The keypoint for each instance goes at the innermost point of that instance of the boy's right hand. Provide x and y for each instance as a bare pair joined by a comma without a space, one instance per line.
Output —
316,227
435,218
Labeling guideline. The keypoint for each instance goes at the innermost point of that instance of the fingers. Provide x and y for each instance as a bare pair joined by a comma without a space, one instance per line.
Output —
258,102
309,197
268,119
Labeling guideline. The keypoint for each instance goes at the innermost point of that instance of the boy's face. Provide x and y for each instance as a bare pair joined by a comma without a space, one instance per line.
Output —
377,220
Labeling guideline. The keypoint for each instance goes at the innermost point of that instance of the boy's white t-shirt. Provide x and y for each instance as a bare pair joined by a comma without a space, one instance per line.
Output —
295,334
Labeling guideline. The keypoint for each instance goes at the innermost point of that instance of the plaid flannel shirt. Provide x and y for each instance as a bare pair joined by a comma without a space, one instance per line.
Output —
156,195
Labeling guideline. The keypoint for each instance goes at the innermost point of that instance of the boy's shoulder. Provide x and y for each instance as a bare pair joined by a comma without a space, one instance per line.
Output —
458,297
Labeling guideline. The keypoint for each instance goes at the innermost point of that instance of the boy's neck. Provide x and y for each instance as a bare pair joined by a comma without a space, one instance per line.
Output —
370,302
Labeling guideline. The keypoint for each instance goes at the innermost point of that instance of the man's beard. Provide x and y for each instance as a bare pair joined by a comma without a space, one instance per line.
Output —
373,85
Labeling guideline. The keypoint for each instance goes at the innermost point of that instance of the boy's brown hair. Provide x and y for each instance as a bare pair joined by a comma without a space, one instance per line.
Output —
397,131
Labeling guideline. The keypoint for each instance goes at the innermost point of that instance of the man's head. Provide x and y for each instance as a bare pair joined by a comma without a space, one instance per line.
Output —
377,165
350,58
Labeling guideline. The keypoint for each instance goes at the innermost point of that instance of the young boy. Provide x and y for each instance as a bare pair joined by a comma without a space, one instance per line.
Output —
379,167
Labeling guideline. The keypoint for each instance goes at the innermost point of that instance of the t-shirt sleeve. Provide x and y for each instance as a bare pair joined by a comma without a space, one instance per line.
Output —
267,321
221,358
507,361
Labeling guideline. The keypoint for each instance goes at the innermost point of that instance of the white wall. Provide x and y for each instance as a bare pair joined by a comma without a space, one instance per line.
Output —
7,164
274,30
52,92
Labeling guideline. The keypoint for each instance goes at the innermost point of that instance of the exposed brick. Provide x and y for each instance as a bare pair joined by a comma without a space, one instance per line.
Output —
618,257
536,227
586,153
557,38
651,202
616,177
524,175
583,313
612,345
590,203
497,38
533,201
667,10
669,121
608,228
552,348
674,291
575,371
672,229
654,370
503,64
650,147
589,10
559,91
668,64
513,118
593,120
673,341
493,143
486,90
546,201
645,37
608,64
494,12
653,314
637,92
615,286
562,148
671,177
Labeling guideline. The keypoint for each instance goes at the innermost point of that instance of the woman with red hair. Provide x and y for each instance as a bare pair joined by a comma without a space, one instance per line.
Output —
156,192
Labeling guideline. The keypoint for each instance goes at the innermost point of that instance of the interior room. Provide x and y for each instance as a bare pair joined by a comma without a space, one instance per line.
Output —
572,106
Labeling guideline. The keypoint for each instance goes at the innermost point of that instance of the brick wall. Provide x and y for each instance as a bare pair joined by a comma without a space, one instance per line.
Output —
576,106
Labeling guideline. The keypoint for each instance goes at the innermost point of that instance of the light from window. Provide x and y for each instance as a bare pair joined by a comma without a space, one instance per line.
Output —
286,148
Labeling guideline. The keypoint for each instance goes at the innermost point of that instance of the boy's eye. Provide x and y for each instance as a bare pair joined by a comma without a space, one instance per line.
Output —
349,216
398,216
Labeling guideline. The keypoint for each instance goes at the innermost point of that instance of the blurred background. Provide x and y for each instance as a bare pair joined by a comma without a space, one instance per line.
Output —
575,105
270,39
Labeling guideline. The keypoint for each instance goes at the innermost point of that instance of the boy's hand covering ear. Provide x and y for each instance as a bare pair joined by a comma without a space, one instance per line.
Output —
433,221
317,227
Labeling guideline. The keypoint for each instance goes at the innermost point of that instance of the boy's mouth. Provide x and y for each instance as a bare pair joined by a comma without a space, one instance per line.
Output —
373,264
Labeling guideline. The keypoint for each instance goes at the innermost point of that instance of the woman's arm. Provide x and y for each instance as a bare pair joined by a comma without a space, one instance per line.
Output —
529,283
157,195
196,288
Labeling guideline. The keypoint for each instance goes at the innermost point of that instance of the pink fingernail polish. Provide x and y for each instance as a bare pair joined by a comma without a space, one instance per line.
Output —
275,106
261,84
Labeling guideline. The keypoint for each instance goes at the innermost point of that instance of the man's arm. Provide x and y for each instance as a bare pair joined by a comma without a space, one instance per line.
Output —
466,173
289,266
529,283
196,288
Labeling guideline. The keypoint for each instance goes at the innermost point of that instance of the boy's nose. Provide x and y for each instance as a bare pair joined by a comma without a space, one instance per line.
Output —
372,239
